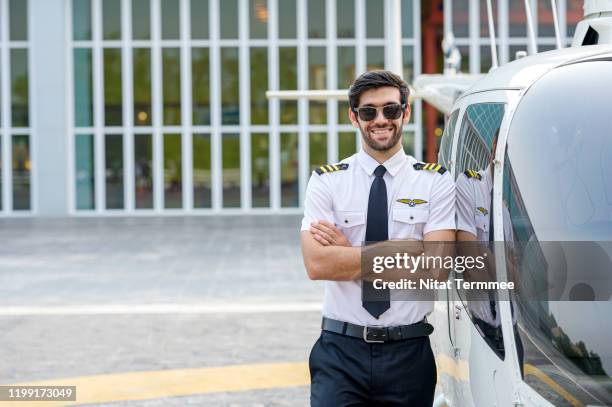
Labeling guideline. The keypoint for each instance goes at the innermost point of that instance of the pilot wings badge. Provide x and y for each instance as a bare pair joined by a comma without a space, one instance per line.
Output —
483,210
412,202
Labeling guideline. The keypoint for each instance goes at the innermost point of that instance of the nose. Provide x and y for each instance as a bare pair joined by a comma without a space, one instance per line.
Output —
380,117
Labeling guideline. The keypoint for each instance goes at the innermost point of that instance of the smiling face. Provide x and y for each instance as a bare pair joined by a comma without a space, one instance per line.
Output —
380,134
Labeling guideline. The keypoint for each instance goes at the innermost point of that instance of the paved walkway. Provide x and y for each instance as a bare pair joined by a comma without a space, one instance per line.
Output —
86,300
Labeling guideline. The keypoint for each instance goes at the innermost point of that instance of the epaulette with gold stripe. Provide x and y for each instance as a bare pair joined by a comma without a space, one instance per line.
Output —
331,168
472,174
430,167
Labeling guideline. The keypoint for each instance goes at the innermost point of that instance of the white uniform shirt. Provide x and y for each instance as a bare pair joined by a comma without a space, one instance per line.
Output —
341,197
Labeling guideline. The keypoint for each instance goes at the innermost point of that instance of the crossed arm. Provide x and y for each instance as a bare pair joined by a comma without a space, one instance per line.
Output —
328,255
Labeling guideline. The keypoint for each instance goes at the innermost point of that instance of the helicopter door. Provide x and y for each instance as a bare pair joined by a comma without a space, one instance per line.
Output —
476,329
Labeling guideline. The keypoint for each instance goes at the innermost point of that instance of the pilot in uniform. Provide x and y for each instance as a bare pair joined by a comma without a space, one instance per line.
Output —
420,200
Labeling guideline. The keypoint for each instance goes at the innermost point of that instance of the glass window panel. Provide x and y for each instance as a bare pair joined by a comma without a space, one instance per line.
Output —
202,180
408,140
346,67
375,58
142,86
316,18
287,19
259,85
345,18
229,19
407,16
83,104
347,144
231,170
111,19
289,170
317,80
113,153
84,171
317,145
199,19
375,21
81,20
343,115
18,13
408,63
170,19
461,18
317,112
200,86
546,25
260,171
259,18
486,61
288,68
288,112
230,91
172,86
484,20
517,19
21,172
141,19
465,58
143,171
173,174
19,92
288,81
113,98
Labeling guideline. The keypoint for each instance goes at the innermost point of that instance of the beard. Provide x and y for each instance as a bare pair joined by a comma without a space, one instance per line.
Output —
381,146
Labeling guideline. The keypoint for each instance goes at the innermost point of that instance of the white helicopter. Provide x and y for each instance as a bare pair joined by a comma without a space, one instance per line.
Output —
536,136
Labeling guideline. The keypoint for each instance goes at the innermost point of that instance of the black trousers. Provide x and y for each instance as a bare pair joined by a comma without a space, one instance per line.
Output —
347,371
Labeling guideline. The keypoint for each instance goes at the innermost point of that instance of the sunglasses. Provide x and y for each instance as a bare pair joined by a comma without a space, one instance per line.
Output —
391,112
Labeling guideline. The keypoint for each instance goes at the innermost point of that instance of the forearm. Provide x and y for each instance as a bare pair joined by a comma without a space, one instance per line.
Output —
335,263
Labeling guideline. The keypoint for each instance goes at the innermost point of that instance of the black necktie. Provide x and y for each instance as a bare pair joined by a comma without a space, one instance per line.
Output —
376,231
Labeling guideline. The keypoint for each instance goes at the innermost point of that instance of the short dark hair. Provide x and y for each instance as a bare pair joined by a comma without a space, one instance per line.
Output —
377,79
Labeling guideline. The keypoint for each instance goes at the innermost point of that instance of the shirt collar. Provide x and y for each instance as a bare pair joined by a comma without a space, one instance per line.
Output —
393,164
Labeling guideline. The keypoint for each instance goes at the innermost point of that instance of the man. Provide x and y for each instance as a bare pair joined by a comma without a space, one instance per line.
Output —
378,194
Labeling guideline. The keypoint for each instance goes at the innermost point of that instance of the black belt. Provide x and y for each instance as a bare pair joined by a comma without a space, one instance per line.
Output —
375,334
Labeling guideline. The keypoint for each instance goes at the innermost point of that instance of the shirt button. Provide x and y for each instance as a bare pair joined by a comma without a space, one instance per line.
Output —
345,220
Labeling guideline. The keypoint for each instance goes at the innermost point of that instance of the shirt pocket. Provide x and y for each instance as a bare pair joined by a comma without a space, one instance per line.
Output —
409,223
350,219
352,225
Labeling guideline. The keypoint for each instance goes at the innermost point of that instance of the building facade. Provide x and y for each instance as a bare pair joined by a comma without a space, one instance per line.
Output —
158,106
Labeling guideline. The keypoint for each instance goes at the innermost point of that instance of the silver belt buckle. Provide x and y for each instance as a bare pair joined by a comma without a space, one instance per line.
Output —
365,336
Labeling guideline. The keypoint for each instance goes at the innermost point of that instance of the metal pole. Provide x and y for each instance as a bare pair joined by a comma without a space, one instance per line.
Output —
395,37
532,42
495,62
553,5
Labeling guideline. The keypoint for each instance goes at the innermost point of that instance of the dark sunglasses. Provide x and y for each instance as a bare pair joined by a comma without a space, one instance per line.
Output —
391,112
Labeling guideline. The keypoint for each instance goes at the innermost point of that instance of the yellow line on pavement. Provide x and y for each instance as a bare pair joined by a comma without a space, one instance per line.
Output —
181,382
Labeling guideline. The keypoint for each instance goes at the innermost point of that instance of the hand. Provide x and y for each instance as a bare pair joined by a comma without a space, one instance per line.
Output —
328,234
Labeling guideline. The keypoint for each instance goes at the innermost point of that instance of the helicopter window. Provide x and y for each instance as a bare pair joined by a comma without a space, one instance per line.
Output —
477,141
558,194
447,140
481,123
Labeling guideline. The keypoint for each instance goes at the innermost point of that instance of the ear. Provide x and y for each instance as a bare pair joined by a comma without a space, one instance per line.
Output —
353,118
407,114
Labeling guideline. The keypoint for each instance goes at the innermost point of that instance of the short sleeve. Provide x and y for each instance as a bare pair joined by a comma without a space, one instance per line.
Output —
465,206
318,203
441,205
